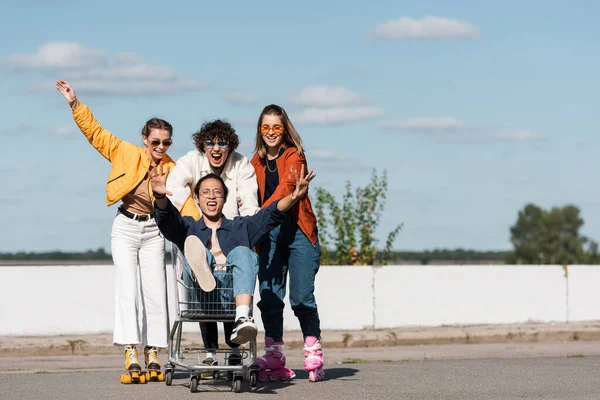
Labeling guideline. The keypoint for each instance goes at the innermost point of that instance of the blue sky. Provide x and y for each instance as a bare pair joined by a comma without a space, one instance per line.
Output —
473,108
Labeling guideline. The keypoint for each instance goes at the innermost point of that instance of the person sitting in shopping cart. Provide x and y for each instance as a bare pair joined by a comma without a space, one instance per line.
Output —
216,143
234,239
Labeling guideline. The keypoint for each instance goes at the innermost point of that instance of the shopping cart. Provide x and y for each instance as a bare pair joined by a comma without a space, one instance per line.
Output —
195,305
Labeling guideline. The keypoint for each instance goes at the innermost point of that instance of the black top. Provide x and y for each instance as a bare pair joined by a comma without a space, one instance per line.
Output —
240,231
272,176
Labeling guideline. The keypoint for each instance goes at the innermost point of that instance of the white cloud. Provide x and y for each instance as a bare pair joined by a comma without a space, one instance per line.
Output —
427,125
240,98
428,27
57,55
336,115
452,130
326,96
64,132
96,71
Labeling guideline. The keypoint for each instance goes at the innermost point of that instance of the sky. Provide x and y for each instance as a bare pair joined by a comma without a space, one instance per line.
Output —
474,108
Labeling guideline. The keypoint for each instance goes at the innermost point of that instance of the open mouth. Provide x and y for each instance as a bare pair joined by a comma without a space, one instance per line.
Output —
217,157
212,205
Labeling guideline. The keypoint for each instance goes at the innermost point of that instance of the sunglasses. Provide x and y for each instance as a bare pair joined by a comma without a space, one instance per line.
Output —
156,142
222,144
277,129
218,193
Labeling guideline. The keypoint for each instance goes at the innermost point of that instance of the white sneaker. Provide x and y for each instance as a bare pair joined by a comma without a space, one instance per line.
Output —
195,254
244,330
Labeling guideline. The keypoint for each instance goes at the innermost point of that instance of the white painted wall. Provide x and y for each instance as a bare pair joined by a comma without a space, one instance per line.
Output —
584,293
50,300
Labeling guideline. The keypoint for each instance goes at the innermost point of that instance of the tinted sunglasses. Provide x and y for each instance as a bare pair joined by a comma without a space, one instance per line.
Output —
156,142
277,129
223,144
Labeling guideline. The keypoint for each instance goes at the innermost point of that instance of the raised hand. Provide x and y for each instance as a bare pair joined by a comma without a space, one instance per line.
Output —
302,182
158,178
66,90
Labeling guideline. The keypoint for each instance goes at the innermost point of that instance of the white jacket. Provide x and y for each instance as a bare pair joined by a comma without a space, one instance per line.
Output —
238,174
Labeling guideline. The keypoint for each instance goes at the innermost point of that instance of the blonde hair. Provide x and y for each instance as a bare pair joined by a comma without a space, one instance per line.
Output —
290,135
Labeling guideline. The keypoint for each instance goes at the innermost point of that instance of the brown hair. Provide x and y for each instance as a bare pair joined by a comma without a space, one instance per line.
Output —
156,123
217,129
290,135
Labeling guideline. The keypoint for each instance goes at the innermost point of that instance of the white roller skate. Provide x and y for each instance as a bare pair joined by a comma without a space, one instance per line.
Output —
272,364
313,362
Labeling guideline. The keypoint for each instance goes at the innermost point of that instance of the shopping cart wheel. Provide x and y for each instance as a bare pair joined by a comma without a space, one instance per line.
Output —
254,378
194,384
237,384
168,377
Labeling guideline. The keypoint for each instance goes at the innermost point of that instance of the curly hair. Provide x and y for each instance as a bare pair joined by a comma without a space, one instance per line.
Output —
216,130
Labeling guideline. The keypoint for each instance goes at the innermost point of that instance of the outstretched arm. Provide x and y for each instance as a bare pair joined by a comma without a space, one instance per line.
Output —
299,192
105,142
170,223
268,218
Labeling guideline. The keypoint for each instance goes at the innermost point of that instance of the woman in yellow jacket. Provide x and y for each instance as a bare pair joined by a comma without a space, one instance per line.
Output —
135,235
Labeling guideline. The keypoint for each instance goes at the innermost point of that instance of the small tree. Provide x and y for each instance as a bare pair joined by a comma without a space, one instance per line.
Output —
551,237
355,219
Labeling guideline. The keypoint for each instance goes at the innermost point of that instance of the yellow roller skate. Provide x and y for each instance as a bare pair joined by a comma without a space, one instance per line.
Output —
132,366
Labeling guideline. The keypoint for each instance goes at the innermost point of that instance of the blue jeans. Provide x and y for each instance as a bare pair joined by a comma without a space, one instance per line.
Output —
243,266
287,249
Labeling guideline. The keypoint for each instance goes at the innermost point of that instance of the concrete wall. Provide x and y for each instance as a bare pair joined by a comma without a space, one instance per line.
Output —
44,300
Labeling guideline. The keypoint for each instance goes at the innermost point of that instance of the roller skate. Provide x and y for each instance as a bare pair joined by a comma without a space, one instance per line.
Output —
152,365
313,362
272,364
134,370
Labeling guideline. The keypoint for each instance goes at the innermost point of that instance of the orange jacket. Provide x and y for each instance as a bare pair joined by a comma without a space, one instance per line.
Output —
289,162
130,163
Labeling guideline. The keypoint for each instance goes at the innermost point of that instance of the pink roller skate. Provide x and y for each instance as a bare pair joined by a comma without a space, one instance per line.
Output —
272,364
313,361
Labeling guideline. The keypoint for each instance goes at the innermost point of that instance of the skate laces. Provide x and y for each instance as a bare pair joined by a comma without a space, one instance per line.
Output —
131,354
314,351
274,350
152,356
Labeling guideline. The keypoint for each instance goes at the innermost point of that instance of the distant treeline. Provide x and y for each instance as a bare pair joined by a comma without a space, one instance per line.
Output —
397,257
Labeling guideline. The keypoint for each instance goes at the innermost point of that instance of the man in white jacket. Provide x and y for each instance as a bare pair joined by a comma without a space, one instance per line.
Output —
216,142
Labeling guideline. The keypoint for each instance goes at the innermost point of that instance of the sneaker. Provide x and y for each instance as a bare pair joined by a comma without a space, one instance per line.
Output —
195,253
207,373
233,359
244,330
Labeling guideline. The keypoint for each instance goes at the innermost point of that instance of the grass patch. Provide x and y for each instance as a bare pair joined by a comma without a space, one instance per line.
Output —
353,361
405,360
346,338
577,355
76,345
42,372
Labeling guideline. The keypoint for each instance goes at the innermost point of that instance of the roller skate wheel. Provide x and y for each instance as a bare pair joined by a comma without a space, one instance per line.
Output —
160,377
142,378
125,378
168,378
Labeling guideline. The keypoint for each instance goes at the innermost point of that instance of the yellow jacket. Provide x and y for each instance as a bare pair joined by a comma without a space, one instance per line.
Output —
130,163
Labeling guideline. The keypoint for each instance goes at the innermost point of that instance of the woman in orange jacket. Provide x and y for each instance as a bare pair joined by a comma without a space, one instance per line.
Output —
135,235
291,248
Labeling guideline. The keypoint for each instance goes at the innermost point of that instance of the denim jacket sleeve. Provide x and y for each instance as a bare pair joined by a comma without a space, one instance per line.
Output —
171,224
261,223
